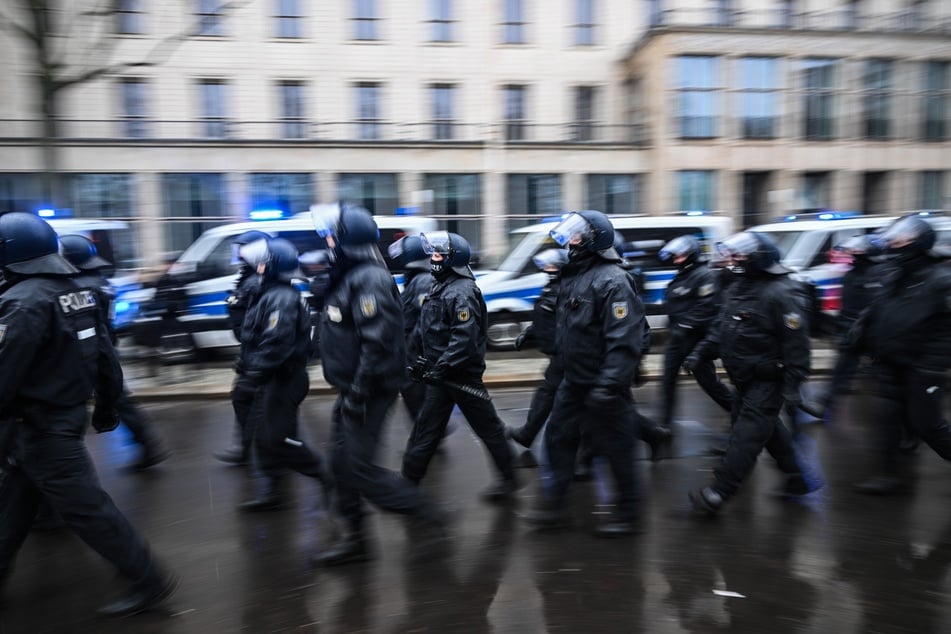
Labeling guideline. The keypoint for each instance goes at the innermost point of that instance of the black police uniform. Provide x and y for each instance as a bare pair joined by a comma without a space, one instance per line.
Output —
130,413
54,353
415,289
693,301
600,332
243,389
366,363
762,336
275,344
542,333
907,332
451,334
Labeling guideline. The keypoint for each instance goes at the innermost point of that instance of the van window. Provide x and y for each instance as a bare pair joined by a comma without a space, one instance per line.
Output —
304,240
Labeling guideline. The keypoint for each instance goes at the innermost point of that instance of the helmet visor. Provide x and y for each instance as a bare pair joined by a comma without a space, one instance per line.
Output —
550,258
900,233
738,245
395,250
253,253
681,245
572,230
326,219
435,242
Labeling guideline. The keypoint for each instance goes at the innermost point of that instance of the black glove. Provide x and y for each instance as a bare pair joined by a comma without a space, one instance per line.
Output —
520,341
640,374
418,369
354,404
793,399
104,419
239,367
435,376
600,397
691,362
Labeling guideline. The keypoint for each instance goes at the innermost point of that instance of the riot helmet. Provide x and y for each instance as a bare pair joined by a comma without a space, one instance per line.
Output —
281,261
453,248
253,254
550,260
686,246
752,253
350,231
409,252
242,239
907,237
587,230
81,253
29,246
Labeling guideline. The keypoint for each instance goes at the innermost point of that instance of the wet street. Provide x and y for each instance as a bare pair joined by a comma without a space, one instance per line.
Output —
835,561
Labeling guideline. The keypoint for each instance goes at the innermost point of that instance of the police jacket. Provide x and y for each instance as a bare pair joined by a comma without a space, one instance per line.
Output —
451,332
414,292
105,296
359,331
275,338
762,332
693,298
910,323
544,321
245,293
54,347
600,323
860,286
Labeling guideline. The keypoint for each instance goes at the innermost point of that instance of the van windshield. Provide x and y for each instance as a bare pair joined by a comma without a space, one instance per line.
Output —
523,252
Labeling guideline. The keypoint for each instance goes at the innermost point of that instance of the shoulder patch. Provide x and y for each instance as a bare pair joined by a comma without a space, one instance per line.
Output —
620,310
705,290
3,331
463,314
368,306
272,319
792,321
421,299
334,314
77,301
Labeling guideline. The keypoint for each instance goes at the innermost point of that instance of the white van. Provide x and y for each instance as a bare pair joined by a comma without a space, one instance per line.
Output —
510,290
190,298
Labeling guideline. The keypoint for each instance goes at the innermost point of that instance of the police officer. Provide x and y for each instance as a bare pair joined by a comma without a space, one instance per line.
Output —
907,332
275,345
599,337
451,334
693,301
762,336
542,333
83,254
246,291
416,284
54,353
363,360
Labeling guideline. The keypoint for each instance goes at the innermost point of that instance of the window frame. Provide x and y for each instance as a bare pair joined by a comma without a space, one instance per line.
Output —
691,126
290,18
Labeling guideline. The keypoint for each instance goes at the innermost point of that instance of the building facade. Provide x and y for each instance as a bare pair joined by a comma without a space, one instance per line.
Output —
486,115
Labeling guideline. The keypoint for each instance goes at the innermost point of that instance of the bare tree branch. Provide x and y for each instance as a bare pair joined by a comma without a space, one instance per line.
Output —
7,22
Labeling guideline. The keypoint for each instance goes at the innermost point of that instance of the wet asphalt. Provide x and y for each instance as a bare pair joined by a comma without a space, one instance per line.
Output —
834,561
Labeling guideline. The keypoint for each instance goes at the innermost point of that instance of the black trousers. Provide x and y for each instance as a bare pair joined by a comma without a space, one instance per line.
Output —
430,427
243,391
543,399
756,425
611,432
274,420
678,348
52,464
910,400
134,417
414,393
356,474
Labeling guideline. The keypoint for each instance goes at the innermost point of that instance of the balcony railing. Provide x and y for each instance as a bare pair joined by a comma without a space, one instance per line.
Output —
358,132
844,19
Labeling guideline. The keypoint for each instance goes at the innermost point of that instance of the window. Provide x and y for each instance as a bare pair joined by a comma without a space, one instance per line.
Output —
378,193
288,18
815,190
289,193
293,117
210,18
937,101
440,20
697,79
365,20
695,190
458,195
583,129
786,13
22,192
932,191
655,12
513,22
368,111
877,98
191,203
913,16
533,194
853,14
759,97
614,193
514,97
129,17
818,93
442,97
134,107
213,96
102,195
724,13
584,23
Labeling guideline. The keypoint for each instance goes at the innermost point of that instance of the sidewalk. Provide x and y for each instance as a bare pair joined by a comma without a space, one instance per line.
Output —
213,380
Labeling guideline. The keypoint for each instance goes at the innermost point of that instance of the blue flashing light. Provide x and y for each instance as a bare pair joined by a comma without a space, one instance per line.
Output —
121,307
695,213
407,211
790,218
827,216
266,214
46,213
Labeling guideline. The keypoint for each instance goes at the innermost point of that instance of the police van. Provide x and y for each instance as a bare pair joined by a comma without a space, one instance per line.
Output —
807,241
510,290
186,311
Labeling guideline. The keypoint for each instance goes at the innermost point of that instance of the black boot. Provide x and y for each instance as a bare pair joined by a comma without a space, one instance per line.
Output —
518,435
353,549
547,515
797,485
236,456
705,501
152,454
270,499
660,440
142,596
501,492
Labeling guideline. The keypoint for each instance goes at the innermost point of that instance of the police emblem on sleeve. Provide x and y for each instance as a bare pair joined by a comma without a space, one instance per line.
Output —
272,319
706,290
3,331
334,314
792,321
620,310
368,306
464,314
